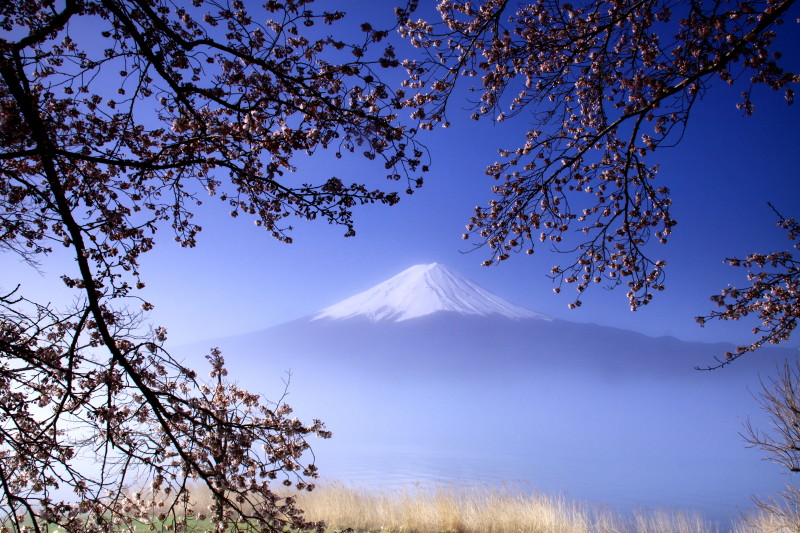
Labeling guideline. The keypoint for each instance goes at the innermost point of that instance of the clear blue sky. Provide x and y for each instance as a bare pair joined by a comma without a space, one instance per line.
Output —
722,175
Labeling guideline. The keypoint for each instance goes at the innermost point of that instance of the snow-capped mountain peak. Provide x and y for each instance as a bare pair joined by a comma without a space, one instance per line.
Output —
422,290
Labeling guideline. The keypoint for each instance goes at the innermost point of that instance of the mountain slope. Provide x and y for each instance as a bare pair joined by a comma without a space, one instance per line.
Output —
423,290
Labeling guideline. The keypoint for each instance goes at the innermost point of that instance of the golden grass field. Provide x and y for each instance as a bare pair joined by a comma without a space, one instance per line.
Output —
498,510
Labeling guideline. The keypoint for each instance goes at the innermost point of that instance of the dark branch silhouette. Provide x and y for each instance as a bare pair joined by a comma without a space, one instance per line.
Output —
107,139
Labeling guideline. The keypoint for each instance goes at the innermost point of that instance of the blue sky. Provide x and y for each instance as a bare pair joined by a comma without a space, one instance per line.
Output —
722,175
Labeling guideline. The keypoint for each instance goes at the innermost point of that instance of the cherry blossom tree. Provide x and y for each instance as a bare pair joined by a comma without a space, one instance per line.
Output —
116,118
601,86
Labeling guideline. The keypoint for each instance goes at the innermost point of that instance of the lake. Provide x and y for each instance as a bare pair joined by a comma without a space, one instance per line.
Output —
625,445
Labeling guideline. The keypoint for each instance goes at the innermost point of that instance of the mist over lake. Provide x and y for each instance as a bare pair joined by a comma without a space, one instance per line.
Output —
594,413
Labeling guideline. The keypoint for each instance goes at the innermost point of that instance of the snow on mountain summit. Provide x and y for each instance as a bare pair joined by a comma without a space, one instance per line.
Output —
422,290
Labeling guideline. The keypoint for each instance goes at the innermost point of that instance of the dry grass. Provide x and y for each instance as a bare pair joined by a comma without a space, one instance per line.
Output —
770,522
480,510
498,510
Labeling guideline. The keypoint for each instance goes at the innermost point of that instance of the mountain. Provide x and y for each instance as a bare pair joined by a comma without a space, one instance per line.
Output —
423,290
429,322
